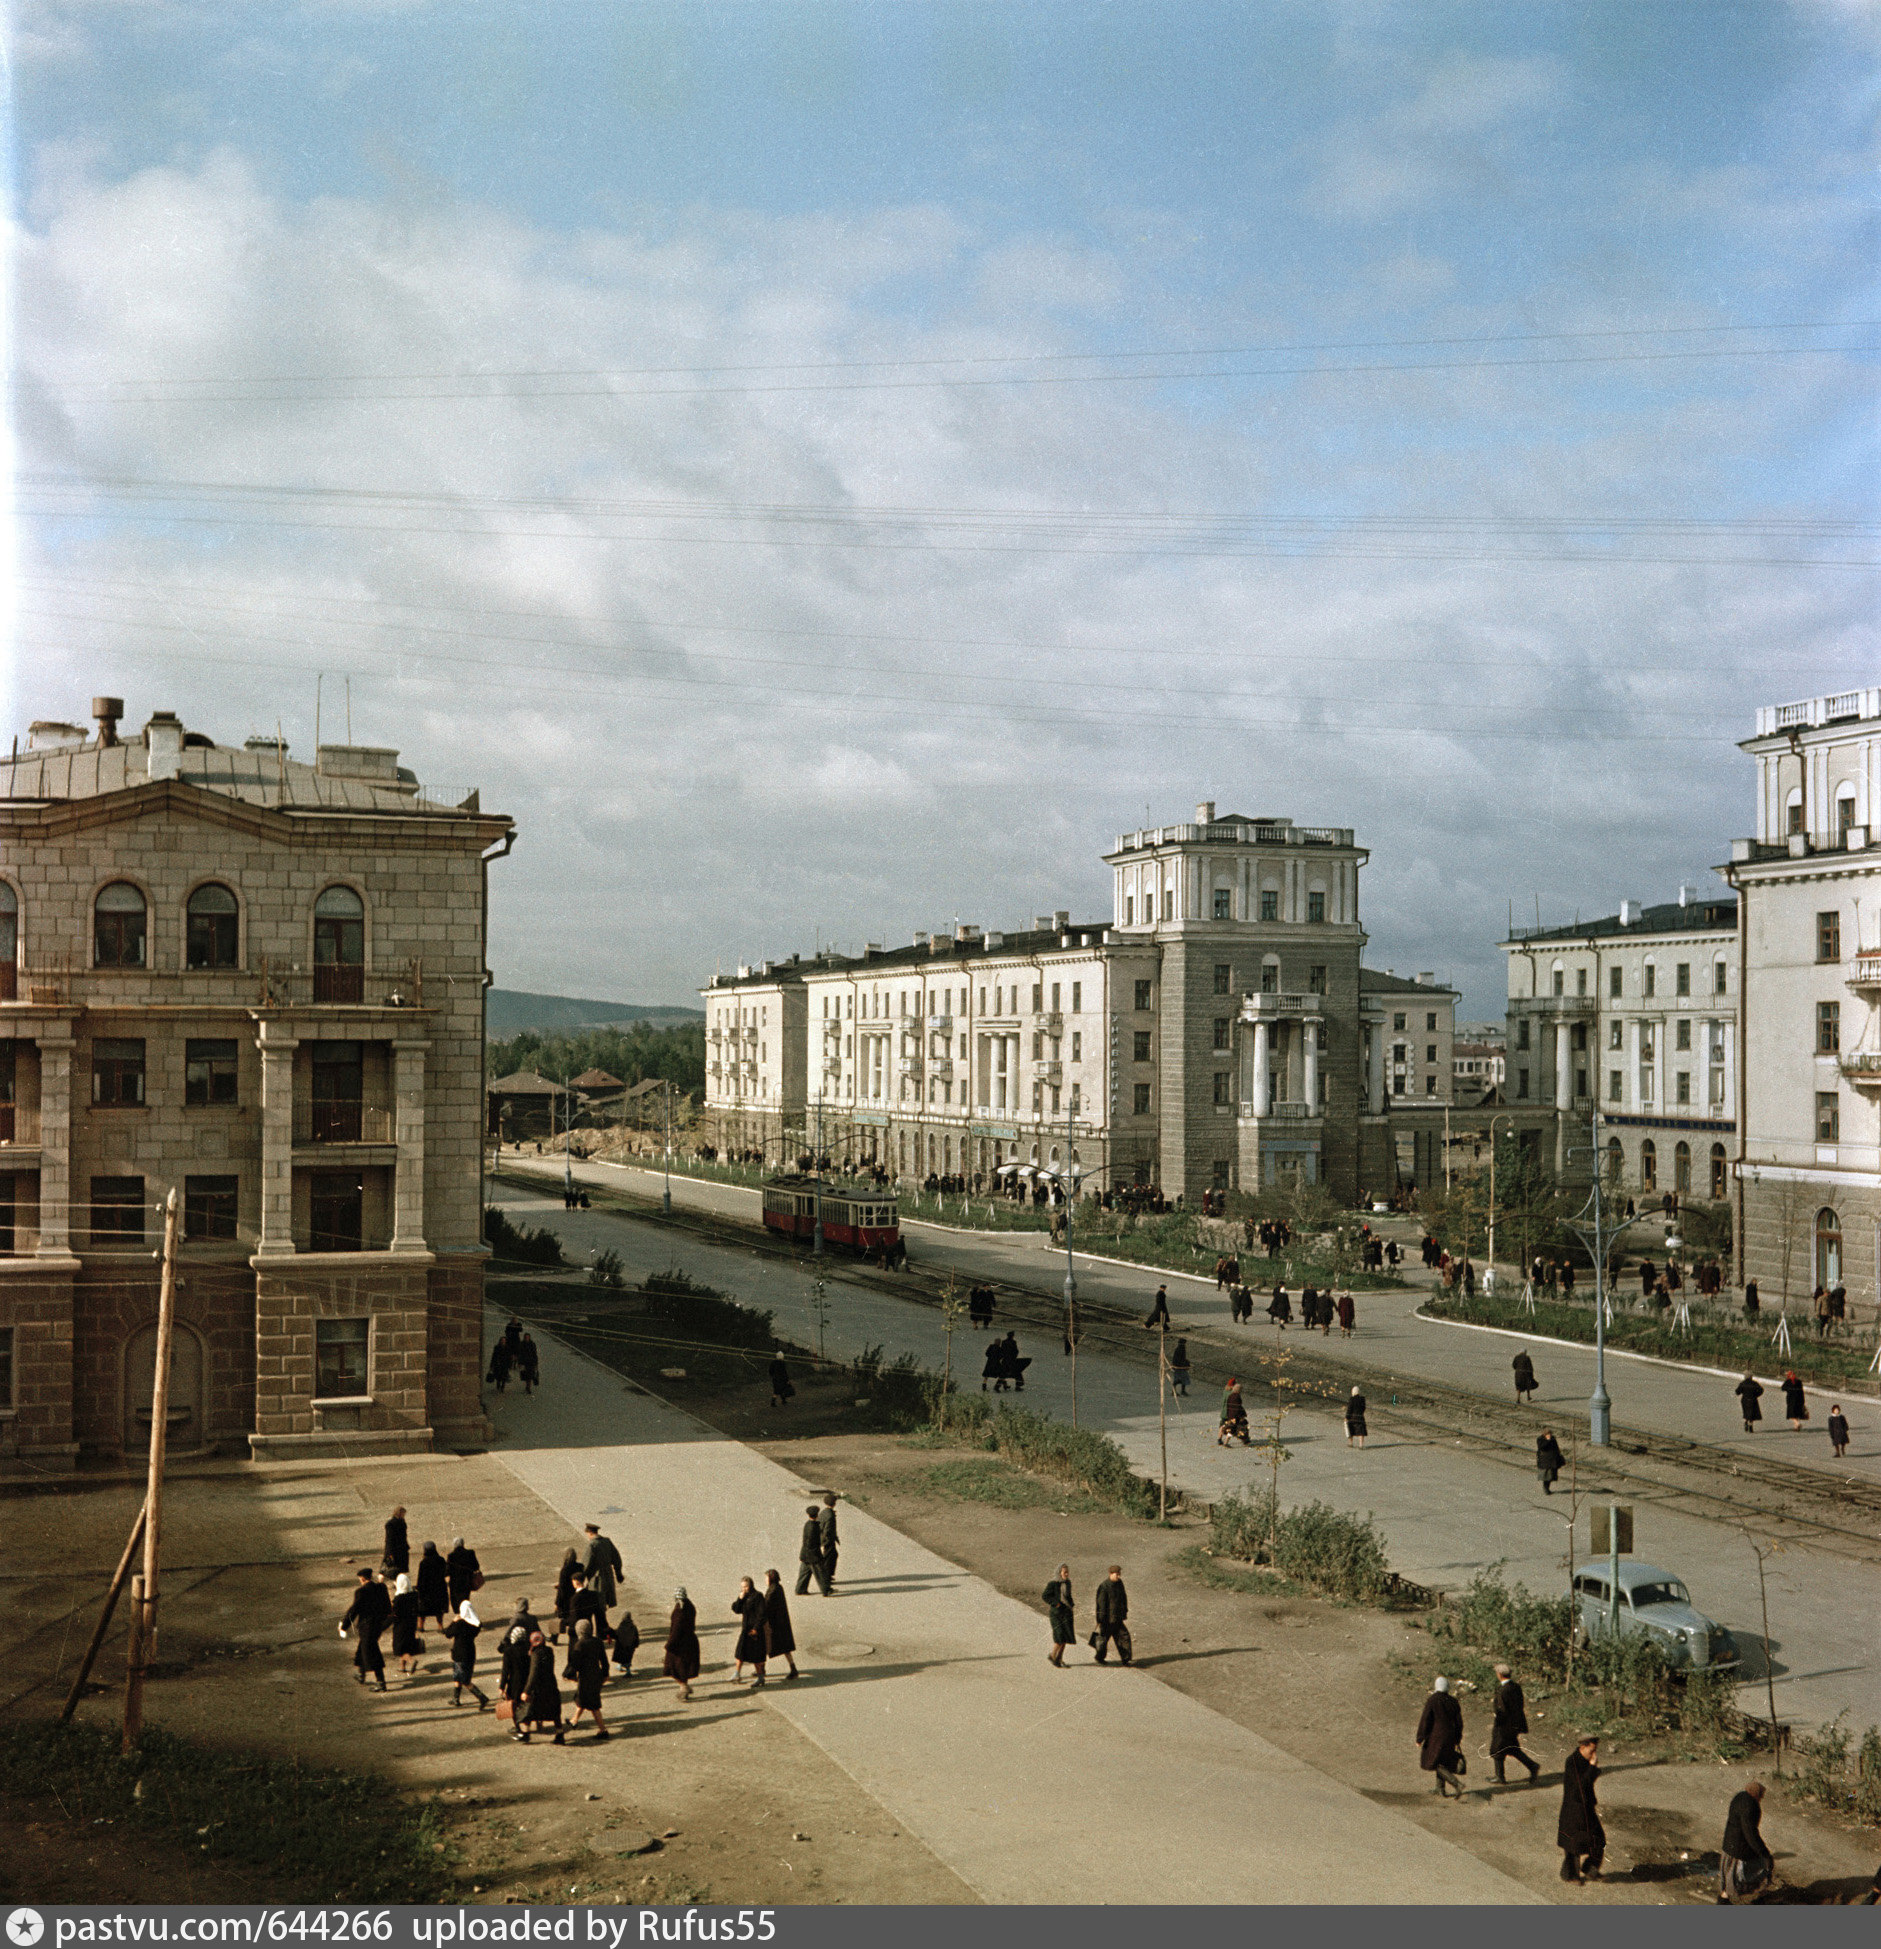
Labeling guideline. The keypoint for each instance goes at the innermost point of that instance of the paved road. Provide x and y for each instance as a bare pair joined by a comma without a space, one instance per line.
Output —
932,1691
1446,1512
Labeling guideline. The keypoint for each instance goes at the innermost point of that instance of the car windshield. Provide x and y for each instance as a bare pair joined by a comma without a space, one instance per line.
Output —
1667,1590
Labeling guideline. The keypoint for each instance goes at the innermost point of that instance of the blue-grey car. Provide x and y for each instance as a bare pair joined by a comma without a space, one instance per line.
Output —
1654,1601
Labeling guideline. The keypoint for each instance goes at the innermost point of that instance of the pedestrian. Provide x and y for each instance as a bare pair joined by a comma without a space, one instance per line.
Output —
434,1586
626,1643
1549,1461
1233,1416
810,1553
463,1573
604,1568
1440,1739
406,1643
1061,1609
1012,1363
397,1558
1240,1304
1348,1315
1280,1308
1179,1368
682,1644
1745,1866
529,1363
782,1392
500,1361
1578,1833
1752,1304
542,1700
1795,1408
512,1677
368,1615
1838,1431
826,1526
748,1608
1355,1419
587,1667
565,1591
585,1603
1524,1367
780,1640
1113,1611
1749,1392
1821,1304
994,1368
462,1633
1511,1721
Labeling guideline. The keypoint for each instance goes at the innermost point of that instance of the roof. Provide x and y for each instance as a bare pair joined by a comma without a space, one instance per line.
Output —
647,1086
596,1079
1707,916
919,954
1373,982
526,1082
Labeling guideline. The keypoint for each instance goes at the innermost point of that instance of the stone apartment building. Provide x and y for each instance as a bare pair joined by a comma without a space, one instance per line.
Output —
1216,1032
258,983
1808,1097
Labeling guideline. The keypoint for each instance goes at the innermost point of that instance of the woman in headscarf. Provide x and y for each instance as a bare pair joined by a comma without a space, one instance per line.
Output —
587,1666
748,1609
682,1643
542,1702
463,1636
1749,1392
397,1544
626,1643
1179,1369
406,1643
1348,1315
1795,1408
1059,1607
780,1640
565,1591
1355,1405
434,1586
513,1679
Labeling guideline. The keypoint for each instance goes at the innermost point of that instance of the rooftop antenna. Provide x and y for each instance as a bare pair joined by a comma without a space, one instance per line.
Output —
318,682
280,759
349,710
1538,913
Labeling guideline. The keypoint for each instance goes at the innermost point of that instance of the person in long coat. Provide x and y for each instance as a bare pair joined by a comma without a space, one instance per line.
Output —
462,1570
682,1643
587,1666
626,1643
586,1602
500,1359
780,1639
434,1586
1280,1308
1749,1392
368,1615
529,1363
1838,1431
782,1389
1508,1726
1745,1865
405,1640
1059,1607
1348,1315
604,1567
397,1556
1179,1369
1113,1611
748,1609
513,1674
1355,1419
542,1697
462,1633
1524,1368
810,1553
1549,1461
1579,1834
994,1367
1440,1738
1795,1408
1013,1363
565,1592
826,1519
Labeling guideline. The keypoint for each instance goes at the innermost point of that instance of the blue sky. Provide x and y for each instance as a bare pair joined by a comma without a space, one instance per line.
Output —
1444,421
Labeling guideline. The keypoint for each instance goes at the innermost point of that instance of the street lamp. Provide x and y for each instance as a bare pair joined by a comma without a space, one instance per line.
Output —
666,1197
816,1229
1600,1402
1504,1116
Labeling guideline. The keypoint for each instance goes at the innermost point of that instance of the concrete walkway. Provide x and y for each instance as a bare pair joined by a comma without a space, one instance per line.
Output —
932,1690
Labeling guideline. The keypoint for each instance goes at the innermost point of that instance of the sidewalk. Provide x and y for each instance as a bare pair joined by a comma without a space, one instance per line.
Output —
932,1691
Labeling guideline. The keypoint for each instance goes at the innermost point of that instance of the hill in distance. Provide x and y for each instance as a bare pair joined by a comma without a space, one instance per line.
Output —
511,1011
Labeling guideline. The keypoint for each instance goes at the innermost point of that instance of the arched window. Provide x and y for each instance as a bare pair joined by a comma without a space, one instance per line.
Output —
1616,1161
339,946
118,927
1844,815
1717,1171
9,941
214,928
1648,1166
1682,1167
1828,1247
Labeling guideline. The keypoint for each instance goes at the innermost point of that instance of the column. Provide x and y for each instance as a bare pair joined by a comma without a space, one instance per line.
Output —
1309,1031
1729,1029
275,1235
1260,1069
408,1128
56,1189
1244,1046
1563,1068
1632,1065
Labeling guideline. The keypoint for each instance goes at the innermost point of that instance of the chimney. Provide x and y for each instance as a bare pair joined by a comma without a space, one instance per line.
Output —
1427,979
1205,813
107,711
1687,894
1062,919
920,939
163,745
966,931
1629,913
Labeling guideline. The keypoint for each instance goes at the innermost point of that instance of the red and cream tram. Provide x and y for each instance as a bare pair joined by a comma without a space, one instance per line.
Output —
859,1217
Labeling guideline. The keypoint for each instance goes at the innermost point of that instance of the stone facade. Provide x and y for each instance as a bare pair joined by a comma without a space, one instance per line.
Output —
177,1016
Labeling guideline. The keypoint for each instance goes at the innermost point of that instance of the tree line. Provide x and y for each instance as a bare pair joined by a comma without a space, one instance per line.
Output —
632,1051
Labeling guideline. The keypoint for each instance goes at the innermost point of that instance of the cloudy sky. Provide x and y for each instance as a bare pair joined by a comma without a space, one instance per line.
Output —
827,469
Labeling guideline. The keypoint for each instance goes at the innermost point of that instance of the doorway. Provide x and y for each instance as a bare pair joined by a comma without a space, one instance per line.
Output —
186,1389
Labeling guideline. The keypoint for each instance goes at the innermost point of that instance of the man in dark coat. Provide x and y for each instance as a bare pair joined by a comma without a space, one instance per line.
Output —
369,1613
1549,1461
1579,1834
1013,1363
810,1554
1511,1721
585,1602
1749,1392
397,1544
826,1520
1113,1611
1440,1738
753,1646
462,1571
604,1567
1524,1368
434,1586
779,1638
1744,1863
1159,1312
542,1698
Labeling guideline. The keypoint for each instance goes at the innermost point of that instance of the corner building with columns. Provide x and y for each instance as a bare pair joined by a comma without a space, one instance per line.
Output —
1216,1033
257,983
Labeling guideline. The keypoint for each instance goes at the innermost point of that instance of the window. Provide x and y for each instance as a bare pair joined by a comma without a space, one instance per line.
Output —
6,1367
1077,998
1129,910
1223,1094
1577,1037
1270,977
1077,1045
1270,903
1682,1036
1648,1166
1615,1033
340,1358
118,921
1038,1098
338,1212
1397,1085
1316,978
1844,819
1224,903
1828,1117
1224,978
1828,1247
1616,1161
209,1072
1142,995
1038,998
1616,983
339,946
1430,1086
1580,1082
1645,1042
117,1073
1683,1081
1397,1052
213,928
9,948
1397,1024
338,1092
1521,1084
1794,823
1616,1085
1221,1031
1682,978
1430,1052
1077,1103
209,1207
1219,1171
1651,982
1829,937
1054,1099
1055,994
1717,1170
1038,1045
1141,1046
1169,903
1560,982
1717,978
1316,906
1430,1024
1828,1028
1142,1099
1580,981
117,1208
1521,1033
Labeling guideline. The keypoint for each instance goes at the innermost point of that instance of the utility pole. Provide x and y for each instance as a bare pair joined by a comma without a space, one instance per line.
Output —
1600,1402
1071,1276
1493,1121
568,1141
1162,1414
951,1309
666,1197
144,1589
816,1231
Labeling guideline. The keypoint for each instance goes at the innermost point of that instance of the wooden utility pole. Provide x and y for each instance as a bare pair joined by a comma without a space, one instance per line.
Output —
951,1309
1162,1414
144,1588
104,1618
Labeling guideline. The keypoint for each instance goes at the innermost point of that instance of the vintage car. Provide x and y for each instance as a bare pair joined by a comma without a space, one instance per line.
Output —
1654,1601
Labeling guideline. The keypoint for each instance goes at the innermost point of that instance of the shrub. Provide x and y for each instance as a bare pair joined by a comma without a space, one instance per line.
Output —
1043,1445
606,1269
520,1244
699,1313
1336,1552
1515,1625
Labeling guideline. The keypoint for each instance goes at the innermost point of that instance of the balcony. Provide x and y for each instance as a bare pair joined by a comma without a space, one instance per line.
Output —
342,1123
909,1065
1865,971
1286,1113
19,1129
1271,1004
1862,1067
941,1066
333,983
1047,1072
1051,1020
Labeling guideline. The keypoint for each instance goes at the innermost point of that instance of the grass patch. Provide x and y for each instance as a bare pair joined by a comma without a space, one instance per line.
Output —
310,1833
1042,1445
1328,1550
1837,1771
990,1480
1223,1573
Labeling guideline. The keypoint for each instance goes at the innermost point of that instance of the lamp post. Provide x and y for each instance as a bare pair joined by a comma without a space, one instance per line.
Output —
1507,1116
1071,1179
1600,1402
816,1230
666,1196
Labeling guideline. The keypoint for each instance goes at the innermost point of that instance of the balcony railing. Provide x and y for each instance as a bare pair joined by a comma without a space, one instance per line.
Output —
335,983
1862,1066
1287,1112
10,982
18,1126
342,1123
941,1024
1047,1072
1051,1020
1865,971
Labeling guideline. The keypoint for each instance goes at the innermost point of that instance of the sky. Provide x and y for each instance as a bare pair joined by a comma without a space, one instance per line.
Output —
827,470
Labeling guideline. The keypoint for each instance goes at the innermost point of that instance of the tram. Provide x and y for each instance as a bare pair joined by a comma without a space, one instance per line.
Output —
861,1218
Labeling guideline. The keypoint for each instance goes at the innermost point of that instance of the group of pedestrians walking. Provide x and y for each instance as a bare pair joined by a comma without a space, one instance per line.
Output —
1750,1392
1004,1366
1110,1610
515,1352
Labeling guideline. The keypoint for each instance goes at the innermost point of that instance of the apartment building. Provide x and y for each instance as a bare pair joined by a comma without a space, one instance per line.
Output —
1808,1096
258,983
1210,1034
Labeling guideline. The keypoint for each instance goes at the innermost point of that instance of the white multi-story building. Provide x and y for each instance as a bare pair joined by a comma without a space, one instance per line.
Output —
1808,1098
